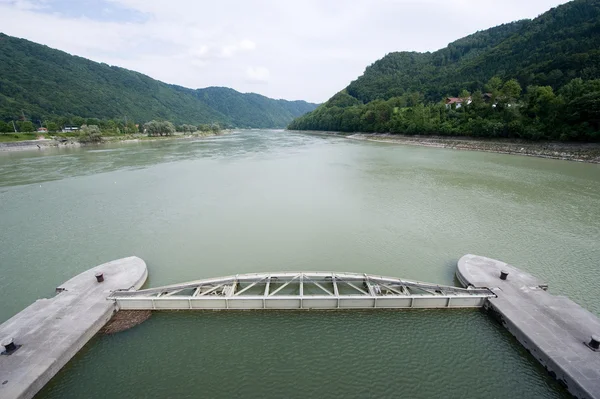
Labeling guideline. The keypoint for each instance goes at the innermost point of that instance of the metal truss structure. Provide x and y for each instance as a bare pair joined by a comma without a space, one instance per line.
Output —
304,290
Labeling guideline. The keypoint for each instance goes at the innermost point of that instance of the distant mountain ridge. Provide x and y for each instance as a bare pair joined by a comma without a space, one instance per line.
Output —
42,82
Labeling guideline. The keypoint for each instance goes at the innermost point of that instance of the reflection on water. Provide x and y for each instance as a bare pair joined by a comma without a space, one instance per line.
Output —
58,163
355,354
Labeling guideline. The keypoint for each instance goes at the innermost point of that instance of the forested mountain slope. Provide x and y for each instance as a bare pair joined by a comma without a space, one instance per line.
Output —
41,82
560,45
554,60
432,74
253,109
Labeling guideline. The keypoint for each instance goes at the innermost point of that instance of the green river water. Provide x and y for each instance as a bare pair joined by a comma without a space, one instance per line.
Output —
255,201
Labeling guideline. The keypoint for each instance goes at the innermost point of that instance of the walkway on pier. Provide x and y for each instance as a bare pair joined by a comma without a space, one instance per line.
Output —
303,290
554,329
51,331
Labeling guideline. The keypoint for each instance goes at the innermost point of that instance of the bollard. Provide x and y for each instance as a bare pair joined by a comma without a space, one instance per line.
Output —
594,343
100,277
9,346
503,275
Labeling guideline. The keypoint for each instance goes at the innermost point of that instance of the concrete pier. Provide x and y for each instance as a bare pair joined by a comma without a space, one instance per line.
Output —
40,340
51,331
554,329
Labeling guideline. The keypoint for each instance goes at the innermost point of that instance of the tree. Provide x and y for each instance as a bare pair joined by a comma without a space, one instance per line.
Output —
188,128
26,126
4,127
130,128
541,101
511,91
493,86
113,126
90,134
464,95
167,128
159,128
52,127
77,121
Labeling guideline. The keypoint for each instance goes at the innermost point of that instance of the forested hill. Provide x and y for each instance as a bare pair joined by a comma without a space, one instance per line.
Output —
554,58
250,109
432,74
42,83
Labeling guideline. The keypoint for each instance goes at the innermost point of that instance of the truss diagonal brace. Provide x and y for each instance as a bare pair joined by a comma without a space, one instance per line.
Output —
250,286
211,290
318,285
284,285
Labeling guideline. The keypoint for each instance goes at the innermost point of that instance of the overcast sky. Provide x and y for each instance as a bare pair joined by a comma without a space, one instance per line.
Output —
292,49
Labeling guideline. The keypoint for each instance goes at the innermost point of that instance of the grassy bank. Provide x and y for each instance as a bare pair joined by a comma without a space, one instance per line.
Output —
12,137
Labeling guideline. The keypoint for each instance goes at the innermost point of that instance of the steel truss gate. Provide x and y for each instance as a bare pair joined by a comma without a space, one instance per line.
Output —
304,290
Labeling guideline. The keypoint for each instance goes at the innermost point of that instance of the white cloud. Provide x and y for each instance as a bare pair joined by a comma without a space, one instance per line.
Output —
231,49
258,74
228,51
199,51
306,49
247,44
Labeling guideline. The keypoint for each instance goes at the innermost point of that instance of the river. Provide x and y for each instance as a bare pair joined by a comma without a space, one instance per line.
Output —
254,201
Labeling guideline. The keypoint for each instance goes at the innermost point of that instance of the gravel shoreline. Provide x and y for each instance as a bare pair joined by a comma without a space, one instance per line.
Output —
30,145
578,152
39,145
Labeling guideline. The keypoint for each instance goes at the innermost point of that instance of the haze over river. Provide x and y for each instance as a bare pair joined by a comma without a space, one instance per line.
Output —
255,201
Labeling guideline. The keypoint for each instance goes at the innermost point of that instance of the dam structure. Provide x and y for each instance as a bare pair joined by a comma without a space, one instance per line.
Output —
40,340
560,334
301,290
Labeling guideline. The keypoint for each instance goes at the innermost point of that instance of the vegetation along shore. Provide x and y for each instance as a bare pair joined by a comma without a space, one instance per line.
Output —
93,134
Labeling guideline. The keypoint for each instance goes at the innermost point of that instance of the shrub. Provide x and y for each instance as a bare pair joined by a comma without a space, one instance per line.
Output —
90,134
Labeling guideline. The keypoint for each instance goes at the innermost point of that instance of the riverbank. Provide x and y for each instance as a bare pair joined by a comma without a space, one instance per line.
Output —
579,152
60,142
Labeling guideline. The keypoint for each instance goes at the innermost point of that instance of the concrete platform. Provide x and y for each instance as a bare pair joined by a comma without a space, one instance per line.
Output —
52,331
553,329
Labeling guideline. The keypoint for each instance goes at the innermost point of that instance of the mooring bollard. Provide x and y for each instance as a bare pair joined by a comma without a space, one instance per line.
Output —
9,345
594,343
503,275
100,277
